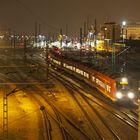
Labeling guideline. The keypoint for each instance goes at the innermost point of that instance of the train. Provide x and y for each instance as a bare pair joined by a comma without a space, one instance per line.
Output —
116,89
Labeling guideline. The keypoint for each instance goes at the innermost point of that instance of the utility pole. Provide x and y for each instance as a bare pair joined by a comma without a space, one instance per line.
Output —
113,50
66,34
5,115
47,61
85,30
126,33
139,120
49,36
81,37
95,44
39,32
95,32
66,29
35,32
81,41
61,39
14,46
53,37
25,49
5,112
87,24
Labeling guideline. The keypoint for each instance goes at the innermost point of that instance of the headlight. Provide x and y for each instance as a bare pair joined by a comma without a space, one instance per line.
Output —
131,95
124,79
119,95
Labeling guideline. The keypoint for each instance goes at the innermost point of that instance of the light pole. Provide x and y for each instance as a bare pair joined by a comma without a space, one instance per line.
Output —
47,61
60,38
81,42
14,46
139,120
90,36
123,24
89,51
25,49
113,50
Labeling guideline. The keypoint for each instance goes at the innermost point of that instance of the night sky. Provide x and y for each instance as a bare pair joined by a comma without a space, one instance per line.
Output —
20,15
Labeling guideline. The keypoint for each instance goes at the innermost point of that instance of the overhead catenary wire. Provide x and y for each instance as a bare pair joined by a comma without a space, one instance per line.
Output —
35,15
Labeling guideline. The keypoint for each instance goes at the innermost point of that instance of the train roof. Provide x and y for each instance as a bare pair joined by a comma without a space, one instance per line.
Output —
89,68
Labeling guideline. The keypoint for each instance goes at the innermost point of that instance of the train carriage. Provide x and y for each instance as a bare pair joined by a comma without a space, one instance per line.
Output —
115,89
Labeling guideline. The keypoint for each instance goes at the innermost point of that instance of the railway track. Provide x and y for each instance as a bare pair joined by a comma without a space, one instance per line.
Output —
59,121
66,135
81,104
134,118
88,114
82,92
126,118
61,116
118,116
47,125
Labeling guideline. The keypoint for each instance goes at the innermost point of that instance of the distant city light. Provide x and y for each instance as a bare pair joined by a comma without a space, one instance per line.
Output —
1,36
90,33
124,23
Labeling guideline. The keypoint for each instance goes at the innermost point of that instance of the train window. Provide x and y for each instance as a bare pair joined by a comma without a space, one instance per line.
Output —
73,68
93,78
79,71
69,67
56,62
108,88
64,65
86,74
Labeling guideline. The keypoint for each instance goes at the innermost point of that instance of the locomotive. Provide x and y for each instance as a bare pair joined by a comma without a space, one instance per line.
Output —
116,89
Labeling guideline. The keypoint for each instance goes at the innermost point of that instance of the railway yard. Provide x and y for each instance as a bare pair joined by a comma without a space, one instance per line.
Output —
50,104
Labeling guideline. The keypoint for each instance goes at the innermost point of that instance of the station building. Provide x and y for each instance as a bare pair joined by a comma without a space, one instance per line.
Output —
110,31
132,31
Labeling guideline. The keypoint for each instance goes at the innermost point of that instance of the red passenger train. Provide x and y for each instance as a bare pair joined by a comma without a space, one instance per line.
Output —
115,89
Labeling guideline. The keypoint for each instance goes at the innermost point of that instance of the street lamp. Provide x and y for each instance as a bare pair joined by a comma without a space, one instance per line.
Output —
123,24
89,43
90,36
105,30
